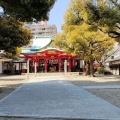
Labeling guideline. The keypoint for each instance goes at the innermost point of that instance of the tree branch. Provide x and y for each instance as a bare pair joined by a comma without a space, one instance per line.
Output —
113,34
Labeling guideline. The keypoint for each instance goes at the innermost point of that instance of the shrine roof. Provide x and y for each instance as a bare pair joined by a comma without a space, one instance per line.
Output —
39,42
28,51
51,48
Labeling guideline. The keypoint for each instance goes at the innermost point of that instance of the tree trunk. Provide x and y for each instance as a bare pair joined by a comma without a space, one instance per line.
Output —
11,68
87,69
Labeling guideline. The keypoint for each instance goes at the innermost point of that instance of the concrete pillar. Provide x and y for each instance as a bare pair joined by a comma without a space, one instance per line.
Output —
28,69
65,67
35,67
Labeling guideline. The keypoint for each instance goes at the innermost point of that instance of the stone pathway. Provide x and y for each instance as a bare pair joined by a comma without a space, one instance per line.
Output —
51,97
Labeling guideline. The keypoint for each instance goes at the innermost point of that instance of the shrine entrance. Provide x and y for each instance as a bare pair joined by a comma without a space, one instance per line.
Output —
42,56
53,65
50,60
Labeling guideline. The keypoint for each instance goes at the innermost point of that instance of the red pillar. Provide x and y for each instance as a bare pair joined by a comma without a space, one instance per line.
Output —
74,62
69,65
45,65
59,65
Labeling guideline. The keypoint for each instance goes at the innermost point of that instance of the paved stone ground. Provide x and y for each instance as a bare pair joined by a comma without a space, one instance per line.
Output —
16,118
3,118
51,96
47,83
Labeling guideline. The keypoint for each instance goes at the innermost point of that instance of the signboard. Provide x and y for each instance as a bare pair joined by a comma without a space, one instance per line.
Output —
51,52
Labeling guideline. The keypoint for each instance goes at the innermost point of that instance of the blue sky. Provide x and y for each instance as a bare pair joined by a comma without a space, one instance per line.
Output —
57,12
1,9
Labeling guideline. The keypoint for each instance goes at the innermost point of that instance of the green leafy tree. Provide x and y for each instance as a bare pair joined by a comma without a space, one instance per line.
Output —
13,35
26,10
13,56
87,44
105,16
81,38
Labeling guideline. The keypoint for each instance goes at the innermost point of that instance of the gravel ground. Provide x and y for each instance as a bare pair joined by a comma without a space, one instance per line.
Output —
80,80
110,95
10,83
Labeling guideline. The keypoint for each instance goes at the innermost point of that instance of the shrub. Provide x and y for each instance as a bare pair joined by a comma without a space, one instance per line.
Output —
100,70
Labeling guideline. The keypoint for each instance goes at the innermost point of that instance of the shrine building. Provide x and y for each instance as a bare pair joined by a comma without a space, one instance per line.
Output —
43,57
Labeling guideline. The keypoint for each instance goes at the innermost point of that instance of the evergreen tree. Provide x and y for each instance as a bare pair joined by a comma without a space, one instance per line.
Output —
82,39
105,16
27,10
13,35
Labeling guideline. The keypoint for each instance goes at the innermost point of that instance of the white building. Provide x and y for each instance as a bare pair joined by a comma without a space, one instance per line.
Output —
113,63
41,29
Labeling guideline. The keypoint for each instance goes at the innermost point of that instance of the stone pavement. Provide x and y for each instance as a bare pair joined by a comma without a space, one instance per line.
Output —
51,96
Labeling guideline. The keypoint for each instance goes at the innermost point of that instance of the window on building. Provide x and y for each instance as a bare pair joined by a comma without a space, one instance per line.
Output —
33,33
33,29
40,33
43,28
